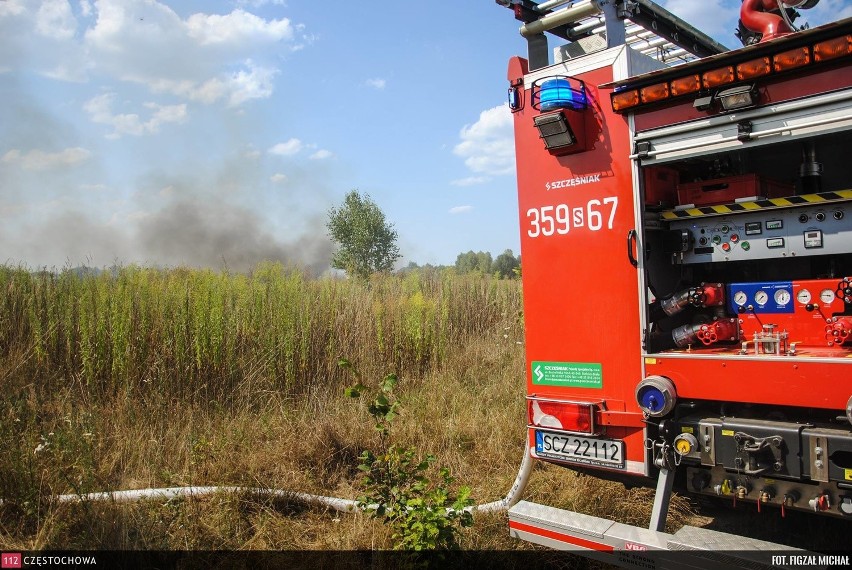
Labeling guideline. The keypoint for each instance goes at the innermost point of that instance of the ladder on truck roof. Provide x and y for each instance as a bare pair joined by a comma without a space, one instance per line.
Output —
652,30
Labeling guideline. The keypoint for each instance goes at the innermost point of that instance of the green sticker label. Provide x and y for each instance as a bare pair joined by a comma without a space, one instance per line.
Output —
574,374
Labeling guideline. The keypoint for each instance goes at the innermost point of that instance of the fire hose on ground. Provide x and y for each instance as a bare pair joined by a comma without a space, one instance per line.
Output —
336,503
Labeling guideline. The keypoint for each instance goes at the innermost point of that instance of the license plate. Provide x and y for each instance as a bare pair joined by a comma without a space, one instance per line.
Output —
579,449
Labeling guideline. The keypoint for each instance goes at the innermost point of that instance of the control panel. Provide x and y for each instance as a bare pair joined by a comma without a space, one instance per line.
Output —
806,310
766,234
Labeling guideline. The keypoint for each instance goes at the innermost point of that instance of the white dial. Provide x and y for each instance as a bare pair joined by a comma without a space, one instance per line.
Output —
740,298
803,296
782,296
827,296
761,297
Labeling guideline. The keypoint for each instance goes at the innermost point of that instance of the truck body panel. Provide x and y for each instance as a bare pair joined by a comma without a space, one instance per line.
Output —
687,266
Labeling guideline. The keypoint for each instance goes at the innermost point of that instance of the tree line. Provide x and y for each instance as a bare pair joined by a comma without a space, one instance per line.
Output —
506,266
366,243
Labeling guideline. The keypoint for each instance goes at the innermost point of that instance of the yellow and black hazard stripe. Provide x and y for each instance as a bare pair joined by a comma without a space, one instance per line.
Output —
762,204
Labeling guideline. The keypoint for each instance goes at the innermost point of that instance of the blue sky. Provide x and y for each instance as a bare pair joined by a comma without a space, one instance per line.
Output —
219,133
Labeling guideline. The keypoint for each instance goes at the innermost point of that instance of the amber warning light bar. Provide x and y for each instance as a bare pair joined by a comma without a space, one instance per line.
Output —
721,83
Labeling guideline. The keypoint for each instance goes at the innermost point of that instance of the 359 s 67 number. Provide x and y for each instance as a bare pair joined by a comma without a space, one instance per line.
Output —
561,218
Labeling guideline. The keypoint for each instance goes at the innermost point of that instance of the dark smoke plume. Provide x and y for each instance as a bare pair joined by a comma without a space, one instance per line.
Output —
208,233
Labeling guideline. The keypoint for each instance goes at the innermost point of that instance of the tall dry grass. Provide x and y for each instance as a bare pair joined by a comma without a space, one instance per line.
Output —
206,335
144,377
149,378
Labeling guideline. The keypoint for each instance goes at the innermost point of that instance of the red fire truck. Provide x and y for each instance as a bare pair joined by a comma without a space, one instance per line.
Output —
686,232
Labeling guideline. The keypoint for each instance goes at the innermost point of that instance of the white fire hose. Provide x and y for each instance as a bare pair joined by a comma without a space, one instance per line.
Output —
338,504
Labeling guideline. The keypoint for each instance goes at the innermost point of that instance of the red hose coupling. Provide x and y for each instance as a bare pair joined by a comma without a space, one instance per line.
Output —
714,294
839,330
719,330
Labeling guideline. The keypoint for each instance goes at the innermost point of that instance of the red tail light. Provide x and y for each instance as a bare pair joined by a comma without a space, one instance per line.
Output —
568,416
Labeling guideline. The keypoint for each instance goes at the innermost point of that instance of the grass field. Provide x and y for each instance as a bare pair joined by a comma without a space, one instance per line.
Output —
140,378
143,378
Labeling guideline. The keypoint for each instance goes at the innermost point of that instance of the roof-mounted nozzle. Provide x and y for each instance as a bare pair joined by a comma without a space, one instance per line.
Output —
762,20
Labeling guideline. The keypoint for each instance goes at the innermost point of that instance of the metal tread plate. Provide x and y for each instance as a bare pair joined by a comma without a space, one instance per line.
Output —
694,538
559,519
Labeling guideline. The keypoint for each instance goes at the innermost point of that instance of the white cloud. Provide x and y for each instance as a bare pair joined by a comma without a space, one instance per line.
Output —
207,92
40,160
237,27
256,83
55,20
278,178
40,37
306,38
487,146
11,7
251,82
470,181
100,111
259,3
287,148
165,114
376,83
321,155
460,209
230,58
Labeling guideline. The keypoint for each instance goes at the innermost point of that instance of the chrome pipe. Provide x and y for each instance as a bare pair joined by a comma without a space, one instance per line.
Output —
544,6
570,14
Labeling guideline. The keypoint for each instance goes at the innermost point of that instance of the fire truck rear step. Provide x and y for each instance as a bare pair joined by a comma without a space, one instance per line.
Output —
620,544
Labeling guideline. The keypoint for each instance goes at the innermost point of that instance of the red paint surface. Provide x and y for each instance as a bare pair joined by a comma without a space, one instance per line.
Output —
562,537
580,290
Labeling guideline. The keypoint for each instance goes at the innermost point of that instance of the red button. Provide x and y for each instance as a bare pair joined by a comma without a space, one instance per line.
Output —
735,238
726,247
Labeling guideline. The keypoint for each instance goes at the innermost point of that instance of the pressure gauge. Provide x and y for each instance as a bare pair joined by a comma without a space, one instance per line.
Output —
803,296
761,297
740,298
827,296
782,296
